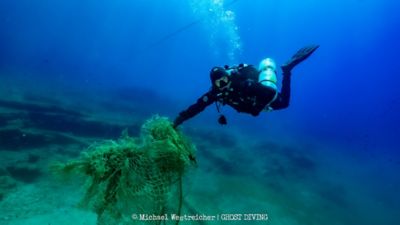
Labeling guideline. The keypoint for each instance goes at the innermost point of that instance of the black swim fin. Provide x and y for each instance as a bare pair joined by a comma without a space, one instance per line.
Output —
298,57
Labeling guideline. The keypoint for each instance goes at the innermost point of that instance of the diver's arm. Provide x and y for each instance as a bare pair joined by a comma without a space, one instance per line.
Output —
204,101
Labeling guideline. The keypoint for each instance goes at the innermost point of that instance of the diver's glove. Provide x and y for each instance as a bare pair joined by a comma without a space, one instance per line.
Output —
178,121
298,57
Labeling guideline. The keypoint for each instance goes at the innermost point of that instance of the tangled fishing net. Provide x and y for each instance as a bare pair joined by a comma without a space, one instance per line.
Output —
134,175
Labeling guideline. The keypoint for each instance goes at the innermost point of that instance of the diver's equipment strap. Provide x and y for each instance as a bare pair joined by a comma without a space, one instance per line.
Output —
221,119
217,106
267,107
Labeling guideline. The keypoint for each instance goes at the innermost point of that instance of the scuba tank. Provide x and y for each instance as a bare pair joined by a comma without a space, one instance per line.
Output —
267,76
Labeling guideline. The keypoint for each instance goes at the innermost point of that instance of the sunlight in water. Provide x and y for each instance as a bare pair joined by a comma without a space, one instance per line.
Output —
221,29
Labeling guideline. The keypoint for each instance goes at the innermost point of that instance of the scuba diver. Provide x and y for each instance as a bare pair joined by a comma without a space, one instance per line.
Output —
247,89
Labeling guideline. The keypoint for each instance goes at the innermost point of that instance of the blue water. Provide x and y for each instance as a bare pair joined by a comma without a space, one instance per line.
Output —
344,97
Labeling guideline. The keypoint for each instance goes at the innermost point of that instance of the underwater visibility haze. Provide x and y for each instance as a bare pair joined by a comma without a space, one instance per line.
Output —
82,84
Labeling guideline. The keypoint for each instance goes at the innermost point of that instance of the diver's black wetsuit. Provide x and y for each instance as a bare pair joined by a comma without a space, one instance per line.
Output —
245,94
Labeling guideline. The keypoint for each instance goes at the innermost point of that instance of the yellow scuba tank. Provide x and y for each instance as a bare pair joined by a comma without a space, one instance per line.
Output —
267,76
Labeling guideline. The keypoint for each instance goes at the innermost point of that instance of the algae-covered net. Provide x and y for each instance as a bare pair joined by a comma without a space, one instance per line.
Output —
141,175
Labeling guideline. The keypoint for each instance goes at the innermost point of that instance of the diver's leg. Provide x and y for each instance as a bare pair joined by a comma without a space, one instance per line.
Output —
283,98
285,90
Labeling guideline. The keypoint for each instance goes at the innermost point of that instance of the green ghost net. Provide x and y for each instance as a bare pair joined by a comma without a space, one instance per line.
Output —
134,175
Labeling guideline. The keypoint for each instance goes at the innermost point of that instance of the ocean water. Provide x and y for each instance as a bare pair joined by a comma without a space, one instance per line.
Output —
76,72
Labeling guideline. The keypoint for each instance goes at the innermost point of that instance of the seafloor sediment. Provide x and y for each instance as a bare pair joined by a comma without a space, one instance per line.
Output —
236,173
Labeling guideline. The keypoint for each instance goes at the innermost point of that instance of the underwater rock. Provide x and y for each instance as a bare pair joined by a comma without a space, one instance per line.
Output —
17,139
50,118
6,183
26,173
32,158
301,161
3,172
35,107
267,146
285,161
3,121
71,124
334,194
225,139
220,164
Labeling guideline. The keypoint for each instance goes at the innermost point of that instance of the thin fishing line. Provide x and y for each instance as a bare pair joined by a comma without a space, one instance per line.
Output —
179,30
